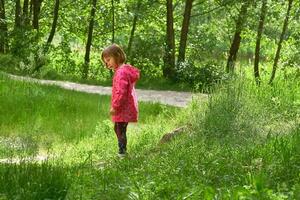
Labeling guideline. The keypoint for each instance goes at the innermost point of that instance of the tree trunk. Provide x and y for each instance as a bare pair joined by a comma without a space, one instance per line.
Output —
258,38
136,13
18,14
235,45
89,42
30,10
3,28
277,55
113,21
25,17
36,13
39,65
169,60
184,30
54,23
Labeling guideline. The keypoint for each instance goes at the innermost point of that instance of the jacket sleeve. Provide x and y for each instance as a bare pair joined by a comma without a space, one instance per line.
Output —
120,91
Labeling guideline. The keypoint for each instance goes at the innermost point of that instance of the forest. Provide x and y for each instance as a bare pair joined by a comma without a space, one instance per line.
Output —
242,141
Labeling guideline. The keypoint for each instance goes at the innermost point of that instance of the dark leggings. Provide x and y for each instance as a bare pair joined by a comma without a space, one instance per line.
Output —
120,130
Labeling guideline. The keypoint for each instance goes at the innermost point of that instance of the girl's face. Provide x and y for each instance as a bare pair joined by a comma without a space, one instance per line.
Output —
110,62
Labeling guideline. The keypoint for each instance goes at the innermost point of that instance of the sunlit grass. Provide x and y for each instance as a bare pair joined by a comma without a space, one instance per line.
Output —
72,129
43,117
241,144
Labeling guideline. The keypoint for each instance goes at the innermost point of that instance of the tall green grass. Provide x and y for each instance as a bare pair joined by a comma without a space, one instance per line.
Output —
34,181
46,114
73,129
241,144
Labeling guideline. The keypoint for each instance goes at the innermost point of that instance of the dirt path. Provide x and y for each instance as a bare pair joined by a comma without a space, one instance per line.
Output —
179,99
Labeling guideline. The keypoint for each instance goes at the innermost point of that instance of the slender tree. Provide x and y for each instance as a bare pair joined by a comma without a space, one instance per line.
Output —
36,13
18,38
113,21
38,63
235,45
277,55
30,16
25,14
258,39
54,24
89,41
169,59
3,28
18,14
135,19
185,30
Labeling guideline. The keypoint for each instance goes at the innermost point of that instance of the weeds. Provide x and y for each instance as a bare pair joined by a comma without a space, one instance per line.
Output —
241,144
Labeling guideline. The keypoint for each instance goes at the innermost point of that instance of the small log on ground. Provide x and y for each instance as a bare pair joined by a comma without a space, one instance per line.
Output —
169,136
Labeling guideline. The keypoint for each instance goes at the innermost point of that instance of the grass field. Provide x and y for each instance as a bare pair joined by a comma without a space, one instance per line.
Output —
244,143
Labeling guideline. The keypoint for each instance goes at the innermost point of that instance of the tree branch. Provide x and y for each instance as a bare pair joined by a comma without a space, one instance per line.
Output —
207,12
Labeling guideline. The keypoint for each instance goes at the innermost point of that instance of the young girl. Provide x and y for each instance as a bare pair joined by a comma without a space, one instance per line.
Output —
124,107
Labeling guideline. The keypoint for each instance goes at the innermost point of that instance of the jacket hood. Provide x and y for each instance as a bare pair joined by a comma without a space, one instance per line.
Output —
132,72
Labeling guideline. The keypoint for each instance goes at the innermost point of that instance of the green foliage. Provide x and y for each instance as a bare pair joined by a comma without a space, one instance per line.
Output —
9,63
26,46
203,76
148,69
63,59
23,42
211,30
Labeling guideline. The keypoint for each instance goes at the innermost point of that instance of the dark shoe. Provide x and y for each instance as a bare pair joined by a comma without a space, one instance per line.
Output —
122,151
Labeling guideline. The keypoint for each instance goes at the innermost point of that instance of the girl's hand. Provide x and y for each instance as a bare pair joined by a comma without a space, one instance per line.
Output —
112,111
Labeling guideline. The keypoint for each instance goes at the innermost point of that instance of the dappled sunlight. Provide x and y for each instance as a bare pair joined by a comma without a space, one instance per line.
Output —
149,100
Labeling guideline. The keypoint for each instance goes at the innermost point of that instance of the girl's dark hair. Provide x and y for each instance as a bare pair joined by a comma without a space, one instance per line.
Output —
114,51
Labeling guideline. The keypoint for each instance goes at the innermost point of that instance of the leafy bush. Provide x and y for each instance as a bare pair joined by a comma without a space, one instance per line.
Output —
62,59
26,52
23,42
148,68
8,63
201,77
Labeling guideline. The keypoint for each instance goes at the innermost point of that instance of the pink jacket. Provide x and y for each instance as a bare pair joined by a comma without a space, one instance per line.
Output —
124,99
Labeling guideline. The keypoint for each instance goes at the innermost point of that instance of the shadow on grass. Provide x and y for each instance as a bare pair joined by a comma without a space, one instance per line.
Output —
34,181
